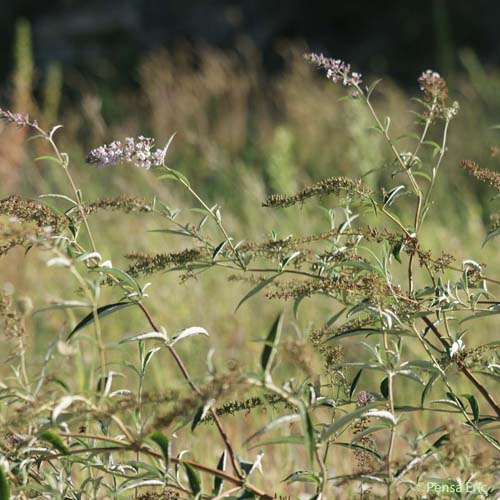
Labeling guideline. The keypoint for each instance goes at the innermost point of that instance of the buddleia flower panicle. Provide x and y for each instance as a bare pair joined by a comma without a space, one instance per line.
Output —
336,70
17,119
332,185
28,210
151,263
11,322
140,152
435,92
482,174
122,203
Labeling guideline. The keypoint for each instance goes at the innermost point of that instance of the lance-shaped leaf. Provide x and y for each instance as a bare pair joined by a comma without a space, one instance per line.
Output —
201,413
218,481
341,422
162,441
53,439
285,419
309,440
188,332
4,486
256,289
101,312
270,349
303,476
193,478
473,404
146,336
355,383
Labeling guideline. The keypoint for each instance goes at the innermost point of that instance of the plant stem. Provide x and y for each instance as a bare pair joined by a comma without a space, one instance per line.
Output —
463,369
134,448
195,388
211,213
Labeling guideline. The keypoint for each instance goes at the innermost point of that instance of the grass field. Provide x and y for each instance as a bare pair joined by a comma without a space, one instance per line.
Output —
240,136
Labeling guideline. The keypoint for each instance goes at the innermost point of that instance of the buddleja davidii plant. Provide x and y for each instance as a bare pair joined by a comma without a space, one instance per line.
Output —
404,308
374,303
93,450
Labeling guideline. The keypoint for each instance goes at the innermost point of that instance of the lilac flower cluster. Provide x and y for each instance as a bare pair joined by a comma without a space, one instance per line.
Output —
17,118
364,398
139,152
336,70
430,79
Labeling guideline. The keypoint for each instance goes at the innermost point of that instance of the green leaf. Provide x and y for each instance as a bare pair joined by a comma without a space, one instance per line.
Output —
393,194
48,158
355,383
371,88
255,290
384,387
417,173
53,439
193,478
410,374
491,235
296,304
297,439
201,413
123,278
270,349
218,249
303,476
4,486
359,447
218,481
367,431
334,317
176,175
101,312
428,387
474,405
309,439
396,251
288,259
61,196
162,441
285,419
365,331
344,420
146,336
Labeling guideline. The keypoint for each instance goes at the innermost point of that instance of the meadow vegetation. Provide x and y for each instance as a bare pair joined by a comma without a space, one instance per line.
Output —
290,292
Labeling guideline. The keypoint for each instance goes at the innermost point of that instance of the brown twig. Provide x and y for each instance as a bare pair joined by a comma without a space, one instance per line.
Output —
195,388
141,449
463,369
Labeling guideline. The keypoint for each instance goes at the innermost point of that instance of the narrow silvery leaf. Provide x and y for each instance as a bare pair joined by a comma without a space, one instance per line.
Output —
188,332
384,414
89,255
285,419
148,357
146,336
59,262
143,482
65,403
